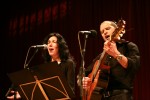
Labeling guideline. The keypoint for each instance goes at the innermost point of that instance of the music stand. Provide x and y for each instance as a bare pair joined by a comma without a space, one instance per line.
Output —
42,82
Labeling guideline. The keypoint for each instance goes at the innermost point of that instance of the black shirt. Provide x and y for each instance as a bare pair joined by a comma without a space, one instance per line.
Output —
119,77
68,69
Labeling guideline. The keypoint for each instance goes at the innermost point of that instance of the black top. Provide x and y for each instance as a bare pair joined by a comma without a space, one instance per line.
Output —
68,68
119,77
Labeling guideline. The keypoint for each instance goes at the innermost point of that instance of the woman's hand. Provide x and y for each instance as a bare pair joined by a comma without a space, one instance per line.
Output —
12,96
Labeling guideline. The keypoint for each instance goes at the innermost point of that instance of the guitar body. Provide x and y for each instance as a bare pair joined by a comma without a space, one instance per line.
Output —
99,82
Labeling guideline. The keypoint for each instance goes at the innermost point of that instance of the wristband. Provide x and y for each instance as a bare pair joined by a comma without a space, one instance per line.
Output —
119,57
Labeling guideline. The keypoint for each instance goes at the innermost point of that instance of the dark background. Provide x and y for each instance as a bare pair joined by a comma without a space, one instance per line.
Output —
26,22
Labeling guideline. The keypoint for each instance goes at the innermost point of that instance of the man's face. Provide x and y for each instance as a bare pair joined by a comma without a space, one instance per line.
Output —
106,30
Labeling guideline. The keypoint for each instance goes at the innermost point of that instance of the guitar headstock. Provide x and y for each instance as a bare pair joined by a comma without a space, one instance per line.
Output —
119,31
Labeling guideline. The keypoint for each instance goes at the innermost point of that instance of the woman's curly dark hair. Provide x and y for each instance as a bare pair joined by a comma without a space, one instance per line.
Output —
64,52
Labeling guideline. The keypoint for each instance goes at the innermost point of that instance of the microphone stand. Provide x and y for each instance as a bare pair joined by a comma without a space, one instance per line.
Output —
25,63
25,67
82,68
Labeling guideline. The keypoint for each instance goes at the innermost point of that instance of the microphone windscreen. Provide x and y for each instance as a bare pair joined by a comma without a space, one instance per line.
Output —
93,33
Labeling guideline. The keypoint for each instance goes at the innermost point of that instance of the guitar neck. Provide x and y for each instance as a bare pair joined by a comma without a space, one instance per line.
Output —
99,63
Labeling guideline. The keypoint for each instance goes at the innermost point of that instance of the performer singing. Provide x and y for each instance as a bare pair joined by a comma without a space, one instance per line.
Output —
57,50
122,61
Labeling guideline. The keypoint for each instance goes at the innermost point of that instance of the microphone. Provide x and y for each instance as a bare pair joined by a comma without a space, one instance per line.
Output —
91,32
40,46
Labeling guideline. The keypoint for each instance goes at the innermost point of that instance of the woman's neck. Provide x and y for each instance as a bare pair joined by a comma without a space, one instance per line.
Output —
56,59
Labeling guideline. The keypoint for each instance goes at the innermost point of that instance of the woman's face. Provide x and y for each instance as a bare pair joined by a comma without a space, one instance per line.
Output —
106,30
52,47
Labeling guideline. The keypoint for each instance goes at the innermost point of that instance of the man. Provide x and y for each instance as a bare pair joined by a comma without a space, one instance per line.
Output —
115,67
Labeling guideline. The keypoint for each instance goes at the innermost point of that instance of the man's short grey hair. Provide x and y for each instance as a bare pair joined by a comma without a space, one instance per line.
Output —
112,23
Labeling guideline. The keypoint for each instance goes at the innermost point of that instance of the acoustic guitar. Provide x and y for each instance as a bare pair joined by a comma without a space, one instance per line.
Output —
100,72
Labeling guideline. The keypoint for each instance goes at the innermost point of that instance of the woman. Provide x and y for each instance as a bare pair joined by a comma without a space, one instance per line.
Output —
57,50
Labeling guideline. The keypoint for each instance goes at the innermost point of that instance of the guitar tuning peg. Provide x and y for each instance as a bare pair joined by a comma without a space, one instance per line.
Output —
120,35
123,31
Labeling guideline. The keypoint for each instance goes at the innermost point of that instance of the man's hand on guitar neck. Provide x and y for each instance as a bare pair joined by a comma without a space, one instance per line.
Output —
111,49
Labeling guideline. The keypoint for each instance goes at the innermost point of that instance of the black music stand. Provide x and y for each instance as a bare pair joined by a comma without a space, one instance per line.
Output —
42,82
